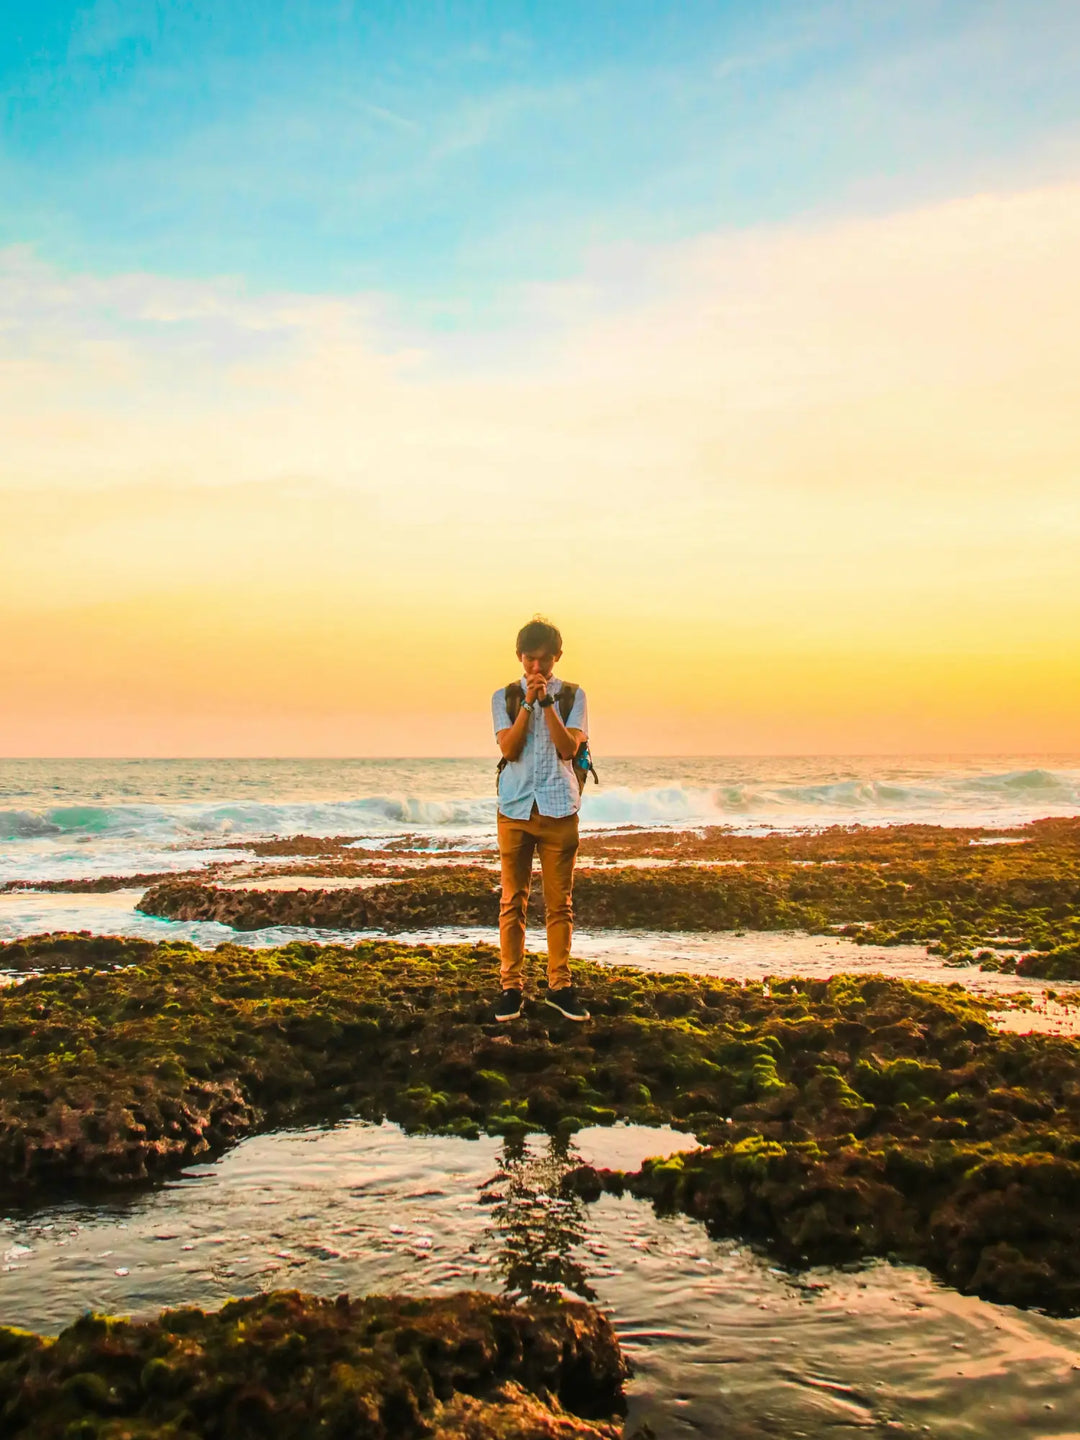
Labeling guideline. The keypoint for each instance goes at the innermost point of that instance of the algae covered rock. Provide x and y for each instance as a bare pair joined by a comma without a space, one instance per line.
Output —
457,896
1060,963
127,1073
64,949
293,1366
912,885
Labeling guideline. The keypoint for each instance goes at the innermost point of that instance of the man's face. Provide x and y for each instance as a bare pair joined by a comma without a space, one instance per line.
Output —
538,662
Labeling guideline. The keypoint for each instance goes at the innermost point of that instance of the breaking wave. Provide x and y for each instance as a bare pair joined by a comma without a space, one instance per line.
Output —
372,815
1003,798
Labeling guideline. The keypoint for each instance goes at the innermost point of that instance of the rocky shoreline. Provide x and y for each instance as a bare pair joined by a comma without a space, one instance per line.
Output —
465,1367
1000,900
969,897
842,1119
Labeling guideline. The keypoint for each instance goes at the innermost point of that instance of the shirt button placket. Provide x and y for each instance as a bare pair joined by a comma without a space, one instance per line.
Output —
534,720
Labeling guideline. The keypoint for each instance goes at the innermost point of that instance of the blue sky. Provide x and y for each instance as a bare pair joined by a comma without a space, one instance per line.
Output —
444,154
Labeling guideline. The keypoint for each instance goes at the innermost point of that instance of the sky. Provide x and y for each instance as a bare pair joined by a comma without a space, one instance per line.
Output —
338,339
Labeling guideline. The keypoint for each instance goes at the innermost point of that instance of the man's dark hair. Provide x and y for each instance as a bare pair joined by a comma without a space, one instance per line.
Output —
539,634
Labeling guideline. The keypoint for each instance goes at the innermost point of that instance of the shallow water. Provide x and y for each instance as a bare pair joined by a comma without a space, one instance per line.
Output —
723,1343
1045,1016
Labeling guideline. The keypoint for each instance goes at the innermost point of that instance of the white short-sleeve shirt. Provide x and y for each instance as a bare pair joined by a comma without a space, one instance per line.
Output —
539,776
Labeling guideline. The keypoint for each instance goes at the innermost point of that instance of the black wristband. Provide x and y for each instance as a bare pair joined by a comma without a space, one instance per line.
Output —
546,702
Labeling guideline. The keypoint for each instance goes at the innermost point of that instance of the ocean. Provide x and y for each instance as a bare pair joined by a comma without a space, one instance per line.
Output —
72,819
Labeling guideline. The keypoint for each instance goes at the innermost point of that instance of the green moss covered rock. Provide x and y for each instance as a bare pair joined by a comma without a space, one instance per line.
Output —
914,885
294,1366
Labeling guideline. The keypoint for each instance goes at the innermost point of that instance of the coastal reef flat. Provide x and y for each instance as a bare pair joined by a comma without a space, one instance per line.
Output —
841,1119
1003,900
463,1367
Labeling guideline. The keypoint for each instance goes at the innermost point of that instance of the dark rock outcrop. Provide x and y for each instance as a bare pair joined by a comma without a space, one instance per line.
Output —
464,1367
68,950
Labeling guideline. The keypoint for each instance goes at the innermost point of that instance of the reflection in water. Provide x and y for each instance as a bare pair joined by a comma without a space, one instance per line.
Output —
534,1229
723,1343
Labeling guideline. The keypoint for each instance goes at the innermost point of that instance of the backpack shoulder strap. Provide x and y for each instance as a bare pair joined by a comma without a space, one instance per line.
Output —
513,697
567,696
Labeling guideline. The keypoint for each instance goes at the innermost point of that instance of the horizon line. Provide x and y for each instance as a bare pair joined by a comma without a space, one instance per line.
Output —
642,755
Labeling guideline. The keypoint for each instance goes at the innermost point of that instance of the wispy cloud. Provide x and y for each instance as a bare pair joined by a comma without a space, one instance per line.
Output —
934,351
454,159
778,463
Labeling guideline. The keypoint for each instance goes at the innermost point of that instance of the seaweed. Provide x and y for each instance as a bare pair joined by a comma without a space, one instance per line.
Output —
1061,962
64,949
461,1367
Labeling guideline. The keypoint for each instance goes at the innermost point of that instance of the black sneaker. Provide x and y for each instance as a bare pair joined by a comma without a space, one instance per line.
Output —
509,1006
563,1001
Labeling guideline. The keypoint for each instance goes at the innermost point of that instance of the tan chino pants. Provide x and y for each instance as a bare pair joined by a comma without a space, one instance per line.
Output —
557,842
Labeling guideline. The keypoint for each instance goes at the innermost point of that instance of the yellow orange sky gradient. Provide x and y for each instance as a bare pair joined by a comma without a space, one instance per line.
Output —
801,489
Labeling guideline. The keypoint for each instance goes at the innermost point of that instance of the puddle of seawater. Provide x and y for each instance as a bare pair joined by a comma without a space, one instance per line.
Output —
757,954
724,1344
753,954
1044,1016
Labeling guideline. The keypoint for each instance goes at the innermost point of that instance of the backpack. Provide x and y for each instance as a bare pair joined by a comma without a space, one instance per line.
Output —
582,761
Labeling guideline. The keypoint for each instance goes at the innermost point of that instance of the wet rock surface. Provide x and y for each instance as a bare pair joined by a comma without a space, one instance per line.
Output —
843,1118
1061,962
343,845
879,843
92,885
290,1365
64,950
458,896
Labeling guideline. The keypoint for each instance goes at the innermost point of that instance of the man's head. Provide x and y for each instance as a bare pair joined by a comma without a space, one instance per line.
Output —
539,645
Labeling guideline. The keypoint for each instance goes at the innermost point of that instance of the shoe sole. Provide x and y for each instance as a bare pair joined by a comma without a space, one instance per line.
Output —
579,1018
515,1016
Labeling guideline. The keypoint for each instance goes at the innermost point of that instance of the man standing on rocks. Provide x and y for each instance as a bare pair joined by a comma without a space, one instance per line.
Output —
539,798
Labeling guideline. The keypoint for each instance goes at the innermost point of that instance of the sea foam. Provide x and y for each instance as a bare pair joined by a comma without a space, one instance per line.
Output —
122,817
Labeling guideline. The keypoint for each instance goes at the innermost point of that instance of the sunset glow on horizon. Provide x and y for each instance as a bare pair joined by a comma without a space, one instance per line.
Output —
795,474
